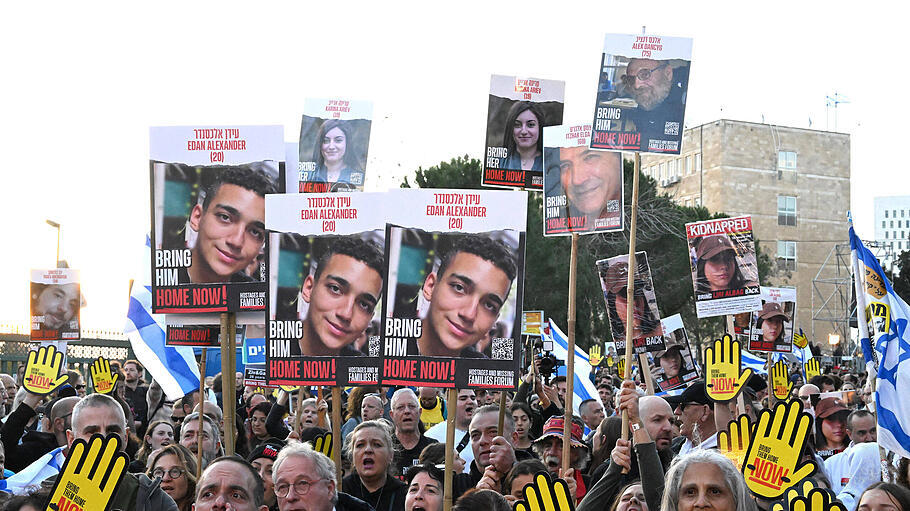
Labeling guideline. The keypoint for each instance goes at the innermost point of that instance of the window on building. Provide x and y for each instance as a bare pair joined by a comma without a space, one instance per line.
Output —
883,224
886,237
886,213
892,224
688,164
671,169
698,202
786,255
663,171
902,213
894,213
697,161
786,210
786,160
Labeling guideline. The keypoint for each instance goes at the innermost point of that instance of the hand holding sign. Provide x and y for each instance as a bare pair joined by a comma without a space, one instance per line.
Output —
780,380
811,368
724,379
88,479
323,443
772,462
595,356
734,442
545,495
102,378
42,370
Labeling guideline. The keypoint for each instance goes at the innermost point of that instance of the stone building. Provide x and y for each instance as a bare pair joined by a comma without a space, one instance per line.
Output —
794,182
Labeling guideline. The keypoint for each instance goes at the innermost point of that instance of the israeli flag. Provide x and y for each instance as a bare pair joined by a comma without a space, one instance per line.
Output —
753,361
583,387
174,368
885,340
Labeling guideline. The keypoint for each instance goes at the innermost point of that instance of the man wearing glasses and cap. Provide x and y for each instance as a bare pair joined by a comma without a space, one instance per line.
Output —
659,88
771,322
696,412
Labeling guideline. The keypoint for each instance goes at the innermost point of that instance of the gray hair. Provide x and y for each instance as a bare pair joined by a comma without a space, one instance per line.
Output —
386,434
96,401
207,420
508,423
325,467
733,479
401,394
310,401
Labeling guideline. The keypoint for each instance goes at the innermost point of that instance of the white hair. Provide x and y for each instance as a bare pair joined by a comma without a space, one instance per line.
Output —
732,479
401,394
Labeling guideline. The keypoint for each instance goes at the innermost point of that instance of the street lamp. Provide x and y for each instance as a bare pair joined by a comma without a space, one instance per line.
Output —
833,339
55,225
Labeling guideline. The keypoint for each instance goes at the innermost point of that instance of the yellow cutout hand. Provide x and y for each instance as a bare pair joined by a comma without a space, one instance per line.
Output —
542,494
811,368
323,443
724,374
102,378
773,461
42,370
780,380
595,355
734,442
89,476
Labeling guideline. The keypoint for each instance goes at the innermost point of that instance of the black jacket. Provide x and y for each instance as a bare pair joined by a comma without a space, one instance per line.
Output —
388,498
349,503
35,444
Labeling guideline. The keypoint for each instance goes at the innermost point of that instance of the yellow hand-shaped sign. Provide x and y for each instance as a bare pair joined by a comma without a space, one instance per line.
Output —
42,371
780,380
772,462
89,476
723,377
595,355
811,367
542,494
102,378
800,339
734,442
800,489
290,389
817,499
621,367
610,361
323,443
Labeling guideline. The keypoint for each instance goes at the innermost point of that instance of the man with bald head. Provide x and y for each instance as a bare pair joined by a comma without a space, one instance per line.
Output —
805,393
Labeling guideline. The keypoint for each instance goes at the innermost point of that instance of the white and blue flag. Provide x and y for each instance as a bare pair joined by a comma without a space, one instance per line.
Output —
885,340
582,386
174,368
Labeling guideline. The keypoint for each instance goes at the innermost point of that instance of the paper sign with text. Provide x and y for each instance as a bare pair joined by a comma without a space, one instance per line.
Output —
333,145
772,326
647,332
55,305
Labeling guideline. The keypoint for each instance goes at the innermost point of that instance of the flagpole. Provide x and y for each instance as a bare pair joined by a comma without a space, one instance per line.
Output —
570,358
630,289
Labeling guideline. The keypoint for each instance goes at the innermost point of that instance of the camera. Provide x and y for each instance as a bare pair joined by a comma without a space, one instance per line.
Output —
548,361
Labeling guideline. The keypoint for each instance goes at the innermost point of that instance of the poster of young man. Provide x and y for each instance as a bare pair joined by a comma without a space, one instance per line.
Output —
647,333
325,285
673,367
208,188
724,269
518,111
772,329
55,303
641,93
334,140
583,187
454,283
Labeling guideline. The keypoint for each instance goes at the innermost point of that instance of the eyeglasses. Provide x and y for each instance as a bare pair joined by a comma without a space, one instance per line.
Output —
301,487
643,74
173,473
80,387
176,419
682,406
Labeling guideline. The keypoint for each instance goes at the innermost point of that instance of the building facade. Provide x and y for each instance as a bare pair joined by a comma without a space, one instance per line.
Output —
892,226
794,182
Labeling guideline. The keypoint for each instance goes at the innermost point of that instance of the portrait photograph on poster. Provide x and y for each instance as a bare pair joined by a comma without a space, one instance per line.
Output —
452,300
325,287
723,265
333,145
55,304
647,332
673,367
641,93
772,327
208,189
583,187
519,109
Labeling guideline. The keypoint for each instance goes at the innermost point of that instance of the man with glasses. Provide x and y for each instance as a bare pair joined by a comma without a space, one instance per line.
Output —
696,412
805,395
660,91
230,482
405,414
305,480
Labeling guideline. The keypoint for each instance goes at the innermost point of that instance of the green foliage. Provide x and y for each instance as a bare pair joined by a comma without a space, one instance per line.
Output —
901,283
660,232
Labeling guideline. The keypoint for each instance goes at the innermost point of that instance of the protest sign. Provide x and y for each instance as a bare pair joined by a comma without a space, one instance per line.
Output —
734,441
208,209
641,93
333,145
673,367
325,284
531,322
519,110
90,475
773,460
724,268
780,380
103,379
55,304
42,370
545,493
772,327
453,287
647,333
583,187
724,375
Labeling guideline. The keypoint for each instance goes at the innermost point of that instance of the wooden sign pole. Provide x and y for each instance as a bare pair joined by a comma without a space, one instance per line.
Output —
336,431
201,420
630,289
228,379
570,362
451,404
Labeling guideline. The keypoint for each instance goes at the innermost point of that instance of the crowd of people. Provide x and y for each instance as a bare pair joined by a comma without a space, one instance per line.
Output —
394,452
